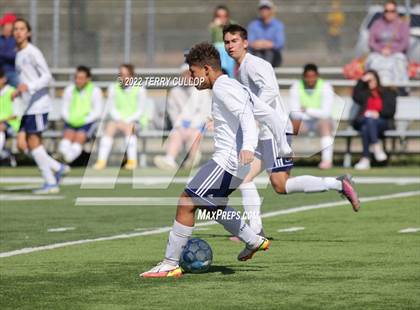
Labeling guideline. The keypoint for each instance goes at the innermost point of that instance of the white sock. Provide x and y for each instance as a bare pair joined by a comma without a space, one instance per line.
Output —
327,148
41,159
311,184
237,227
178,238
105,148
64,147
54,165
252,205
2,140
74,152
131,147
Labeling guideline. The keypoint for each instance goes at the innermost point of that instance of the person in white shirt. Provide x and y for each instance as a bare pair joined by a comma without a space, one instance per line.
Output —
311,101
34,79
126,103
81,108
235,137
189,111
259,76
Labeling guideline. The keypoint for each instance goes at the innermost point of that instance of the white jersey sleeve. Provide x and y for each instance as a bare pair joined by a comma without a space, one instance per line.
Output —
34,72
96,104
237,103
264,81
234,125
66,102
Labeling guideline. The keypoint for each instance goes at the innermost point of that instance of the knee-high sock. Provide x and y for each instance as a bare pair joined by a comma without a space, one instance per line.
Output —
64,147
252,205
105,148
131,147
54,165
327,148
74,152
41,159
311,184
237,227
178,238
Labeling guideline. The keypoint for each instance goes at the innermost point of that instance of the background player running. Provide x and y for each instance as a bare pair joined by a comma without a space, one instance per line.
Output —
34,79
259,76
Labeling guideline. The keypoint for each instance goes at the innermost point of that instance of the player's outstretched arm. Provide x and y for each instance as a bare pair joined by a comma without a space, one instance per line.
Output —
267,115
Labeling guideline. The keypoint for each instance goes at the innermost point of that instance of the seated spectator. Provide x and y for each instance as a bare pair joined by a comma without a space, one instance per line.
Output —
266,35
377,109
82,107
188,110
221,18
125,103
8,48
9,121
389,41
311,100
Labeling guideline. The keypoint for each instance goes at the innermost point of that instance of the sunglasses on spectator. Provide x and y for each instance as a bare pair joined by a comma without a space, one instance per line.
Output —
390,11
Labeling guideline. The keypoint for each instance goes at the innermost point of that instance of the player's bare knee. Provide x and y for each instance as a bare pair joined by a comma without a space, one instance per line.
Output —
185,204
278,181
279,187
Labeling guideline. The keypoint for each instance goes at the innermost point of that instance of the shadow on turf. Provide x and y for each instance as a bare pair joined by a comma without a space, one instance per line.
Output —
224,270
220,269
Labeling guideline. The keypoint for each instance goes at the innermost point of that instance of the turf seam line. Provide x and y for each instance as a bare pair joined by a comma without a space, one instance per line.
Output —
166,229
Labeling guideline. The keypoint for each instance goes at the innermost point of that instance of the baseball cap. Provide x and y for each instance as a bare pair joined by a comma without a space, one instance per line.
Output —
265,4
8,18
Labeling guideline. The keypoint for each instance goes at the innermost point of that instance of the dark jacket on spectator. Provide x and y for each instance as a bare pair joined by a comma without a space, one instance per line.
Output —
7,53
361,94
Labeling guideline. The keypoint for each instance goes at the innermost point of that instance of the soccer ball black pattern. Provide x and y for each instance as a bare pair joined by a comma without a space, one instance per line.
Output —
197,256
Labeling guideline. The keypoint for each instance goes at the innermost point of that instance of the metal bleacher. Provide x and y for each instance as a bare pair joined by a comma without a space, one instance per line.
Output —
408,108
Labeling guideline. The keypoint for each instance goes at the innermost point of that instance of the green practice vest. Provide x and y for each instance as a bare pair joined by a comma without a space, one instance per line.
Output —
6,108
126,101
81,106
313,100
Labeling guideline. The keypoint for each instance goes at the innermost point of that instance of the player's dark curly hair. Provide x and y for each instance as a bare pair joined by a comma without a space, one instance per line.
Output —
204,54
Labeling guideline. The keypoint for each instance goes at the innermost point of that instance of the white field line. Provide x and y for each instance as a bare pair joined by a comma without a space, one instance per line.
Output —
12,197
409,230
153,180
138,201
166,229
60,229
291,229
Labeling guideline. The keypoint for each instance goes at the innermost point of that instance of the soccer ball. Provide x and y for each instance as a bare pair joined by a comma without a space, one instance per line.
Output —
197,256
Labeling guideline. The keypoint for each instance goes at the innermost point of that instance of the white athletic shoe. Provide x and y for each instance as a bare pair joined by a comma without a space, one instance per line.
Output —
47,189
164,163
380,156
363,164
163,270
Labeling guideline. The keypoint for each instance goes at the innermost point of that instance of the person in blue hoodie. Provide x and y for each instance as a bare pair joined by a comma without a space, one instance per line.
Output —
8,48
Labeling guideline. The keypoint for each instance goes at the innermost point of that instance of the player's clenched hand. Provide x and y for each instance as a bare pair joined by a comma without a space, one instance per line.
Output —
246,157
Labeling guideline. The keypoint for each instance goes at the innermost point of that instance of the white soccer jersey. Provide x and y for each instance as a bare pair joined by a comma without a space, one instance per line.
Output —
33,71
113,111
258,75
96,104
234,124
